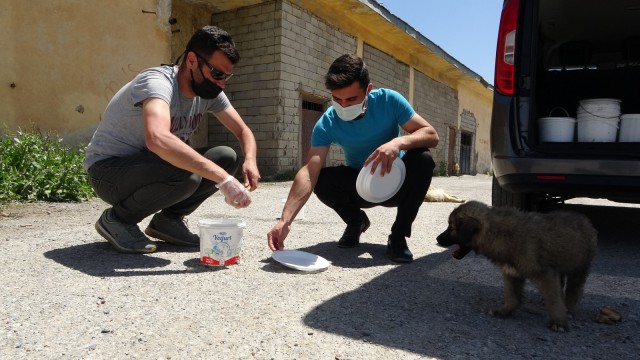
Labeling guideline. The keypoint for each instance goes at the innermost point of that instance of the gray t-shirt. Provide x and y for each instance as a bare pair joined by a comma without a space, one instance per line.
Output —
121,129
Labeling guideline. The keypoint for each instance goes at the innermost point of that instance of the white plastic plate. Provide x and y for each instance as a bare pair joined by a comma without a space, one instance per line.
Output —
300,260
376,188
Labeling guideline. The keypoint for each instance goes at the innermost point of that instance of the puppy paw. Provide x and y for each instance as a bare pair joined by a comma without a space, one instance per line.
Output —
558,326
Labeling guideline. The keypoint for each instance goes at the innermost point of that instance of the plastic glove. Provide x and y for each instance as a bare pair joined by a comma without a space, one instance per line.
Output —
234,193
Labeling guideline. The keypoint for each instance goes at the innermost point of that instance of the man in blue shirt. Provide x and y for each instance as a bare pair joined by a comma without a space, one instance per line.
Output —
366,124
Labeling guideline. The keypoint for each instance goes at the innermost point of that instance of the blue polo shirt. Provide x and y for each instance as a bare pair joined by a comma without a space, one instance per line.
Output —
387,111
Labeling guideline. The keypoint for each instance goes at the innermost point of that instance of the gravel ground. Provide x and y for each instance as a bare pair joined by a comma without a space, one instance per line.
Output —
65,293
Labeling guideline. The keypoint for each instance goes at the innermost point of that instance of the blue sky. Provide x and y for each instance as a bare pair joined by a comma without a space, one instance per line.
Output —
465,29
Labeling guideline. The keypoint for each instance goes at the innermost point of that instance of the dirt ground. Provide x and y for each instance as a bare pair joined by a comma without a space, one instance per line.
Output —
65,293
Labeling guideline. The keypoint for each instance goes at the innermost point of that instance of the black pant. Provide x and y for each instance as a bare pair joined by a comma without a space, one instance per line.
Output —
143,184
336,188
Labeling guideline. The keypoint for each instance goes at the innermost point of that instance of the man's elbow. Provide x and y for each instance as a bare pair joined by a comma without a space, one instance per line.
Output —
434,139
153,143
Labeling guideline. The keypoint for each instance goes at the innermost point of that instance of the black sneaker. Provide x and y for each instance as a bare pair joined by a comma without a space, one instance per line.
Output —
173,231
351,236
398,250
126,238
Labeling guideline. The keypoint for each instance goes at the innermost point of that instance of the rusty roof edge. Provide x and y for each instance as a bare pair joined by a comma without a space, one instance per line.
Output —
401,24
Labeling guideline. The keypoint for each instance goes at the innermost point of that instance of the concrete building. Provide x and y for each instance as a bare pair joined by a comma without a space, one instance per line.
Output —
64,59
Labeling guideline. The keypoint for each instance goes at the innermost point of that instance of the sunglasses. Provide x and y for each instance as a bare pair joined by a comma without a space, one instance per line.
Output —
215,73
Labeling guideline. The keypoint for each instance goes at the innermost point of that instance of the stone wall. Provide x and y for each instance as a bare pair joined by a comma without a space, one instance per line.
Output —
285,52
438,104
385,71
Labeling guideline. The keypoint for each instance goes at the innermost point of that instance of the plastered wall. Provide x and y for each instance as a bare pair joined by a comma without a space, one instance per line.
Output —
62,60
479,105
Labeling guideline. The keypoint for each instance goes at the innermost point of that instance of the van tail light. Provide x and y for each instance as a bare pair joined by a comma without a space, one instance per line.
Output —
505,53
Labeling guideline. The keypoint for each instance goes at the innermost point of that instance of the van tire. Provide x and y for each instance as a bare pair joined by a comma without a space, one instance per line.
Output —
501,197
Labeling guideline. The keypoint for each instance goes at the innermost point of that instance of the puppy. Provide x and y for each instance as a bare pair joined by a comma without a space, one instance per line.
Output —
553,250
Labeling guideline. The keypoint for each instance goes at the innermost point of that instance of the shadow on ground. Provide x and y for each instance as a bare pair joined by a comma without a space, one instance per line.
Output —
99,259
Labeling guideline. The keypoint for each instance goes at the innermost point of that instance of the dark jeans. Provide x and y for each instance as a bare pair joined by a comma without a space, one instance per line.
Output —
143,184
336,188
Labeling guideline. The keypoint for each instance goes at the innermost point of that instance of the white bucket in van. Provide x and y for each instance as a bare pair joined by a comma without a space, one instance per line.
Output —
556,129
600,107
598,120
597,130
220,241
629,128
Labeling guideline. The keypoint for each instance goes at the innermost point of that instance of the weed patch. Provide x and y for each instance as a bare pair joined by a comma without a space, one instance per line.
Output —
38,167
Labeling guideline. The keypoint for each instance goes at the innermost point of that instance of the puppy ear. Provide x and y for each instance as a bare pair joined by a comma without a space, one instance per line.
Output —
467,227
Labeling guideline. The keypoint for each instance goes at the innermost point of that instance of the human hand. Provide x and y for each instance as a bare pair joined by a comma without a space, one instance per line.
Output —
251,175
275,237
384,156
234,193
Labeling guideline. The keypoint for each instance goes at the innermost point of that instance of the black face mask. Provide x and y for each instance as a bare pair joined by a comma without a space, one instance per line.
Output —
207,89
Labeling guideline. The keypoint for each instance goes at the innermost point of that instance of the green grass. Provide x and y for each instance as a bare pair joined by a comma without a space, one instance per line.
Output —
287,175
442,170
38,167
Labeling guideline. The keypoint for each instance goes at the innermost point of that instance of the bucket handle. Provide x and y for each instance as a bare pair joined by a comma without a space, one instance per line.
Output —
601,117
561,108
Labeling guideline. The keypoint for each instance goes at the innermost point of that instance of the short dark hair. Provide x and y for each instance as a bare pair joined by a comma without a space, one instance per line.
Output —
206,40
345,70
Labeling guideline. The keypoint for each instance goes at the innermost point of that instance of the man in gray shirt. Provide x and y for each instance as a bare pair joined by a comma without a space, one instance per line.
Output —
139,160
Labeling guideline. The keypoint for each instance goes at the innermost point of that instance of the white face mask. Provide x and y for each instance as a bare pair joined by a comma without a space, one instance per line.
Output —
350,112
